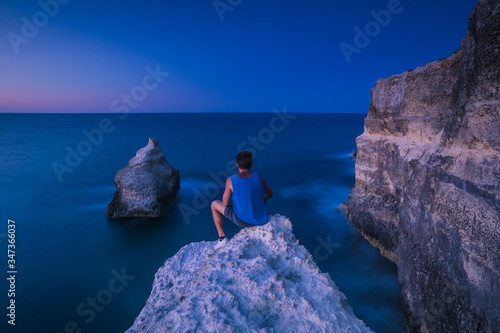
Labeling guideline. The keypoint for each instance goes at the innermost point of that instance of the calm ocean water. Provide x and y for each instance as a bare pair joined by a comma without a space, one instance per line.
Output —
68,254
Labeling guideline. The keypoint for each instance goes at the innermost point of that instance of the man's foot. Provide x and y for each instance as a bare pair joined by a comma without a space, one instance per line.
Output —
221,243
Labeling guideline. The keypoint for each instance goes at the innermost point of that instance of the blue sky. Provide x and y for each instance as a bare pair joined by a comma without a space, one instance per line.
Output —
87,55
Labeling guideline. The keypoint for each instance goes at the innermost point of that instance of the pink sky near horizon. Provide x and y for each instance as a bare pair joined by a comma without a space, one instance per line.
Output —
169,98
64,74
93,51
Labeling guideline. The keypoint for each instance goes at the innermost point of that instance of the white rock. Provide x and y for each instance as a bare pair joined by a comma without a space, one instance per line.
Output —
261,281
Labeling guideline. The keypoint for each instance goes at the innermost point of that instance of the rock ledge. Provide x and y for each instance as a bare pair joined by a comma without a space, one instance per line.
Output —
261,281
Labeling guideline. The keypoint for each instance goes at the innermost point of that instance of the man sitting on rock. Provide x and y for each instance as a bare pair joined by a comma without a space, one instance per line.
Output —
244,200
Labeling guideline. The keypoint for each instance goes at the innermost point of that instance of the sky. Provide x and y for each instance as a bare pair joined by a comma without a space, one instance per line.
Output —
215,56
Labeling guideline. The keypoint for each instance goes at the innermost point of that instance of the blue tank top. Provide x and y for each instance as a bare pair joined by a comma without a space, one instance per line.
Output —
248,199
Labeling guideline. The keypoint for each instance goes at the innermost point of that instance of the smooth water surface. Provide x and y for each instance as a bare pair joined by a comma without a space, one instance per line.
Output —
69,253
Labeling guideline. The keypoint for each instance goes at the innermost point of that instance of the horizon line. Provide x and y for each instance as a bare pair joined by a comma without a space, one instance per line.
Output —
184,112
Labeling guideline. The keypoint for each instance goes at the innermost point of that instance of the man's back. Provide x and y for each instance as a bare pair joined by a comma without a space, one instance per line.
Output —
244,199
249,198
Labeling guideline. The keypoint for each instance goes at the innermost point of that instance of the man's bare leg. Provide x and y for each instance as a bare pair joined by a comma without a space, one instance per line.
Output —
218,215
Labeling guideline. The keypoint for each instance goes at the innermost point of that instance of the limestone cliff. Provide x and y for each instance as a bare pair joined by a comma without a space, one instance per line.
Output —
427,189
261,281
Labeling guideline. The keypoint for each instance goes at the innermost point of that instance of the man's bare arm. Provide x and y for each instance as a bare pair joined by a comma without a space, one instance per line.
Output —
228,193
269,193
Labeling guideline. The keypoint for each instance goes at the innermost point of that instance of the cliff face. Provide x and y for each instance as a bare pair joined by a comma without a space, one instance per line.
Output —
261,281
427,189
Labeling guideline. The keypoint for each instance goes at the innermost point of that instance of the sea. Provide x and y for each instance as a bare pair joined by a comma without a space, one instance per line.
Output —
76,270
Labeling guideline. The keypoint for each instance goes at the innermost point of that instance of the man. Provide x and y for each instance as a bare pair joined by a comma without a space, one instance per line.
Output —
244,200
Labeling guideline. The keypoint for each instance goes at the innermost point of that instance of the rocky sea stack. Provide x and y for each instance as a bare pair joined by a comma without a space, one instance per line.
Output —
261,281
427,189
146,186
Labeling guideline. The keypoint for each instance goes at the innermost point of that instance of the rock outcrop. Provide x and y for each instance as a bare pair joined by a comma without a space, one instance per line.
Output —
261,281
427,189
146,186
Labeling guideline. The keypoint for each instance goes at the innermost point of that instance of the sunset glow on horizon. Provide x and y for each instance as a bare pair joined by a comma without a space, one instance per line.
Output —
71,56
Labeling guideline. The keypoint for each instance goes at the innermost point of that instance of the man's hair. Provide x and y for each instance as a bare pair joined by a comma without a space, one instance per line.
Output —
244,160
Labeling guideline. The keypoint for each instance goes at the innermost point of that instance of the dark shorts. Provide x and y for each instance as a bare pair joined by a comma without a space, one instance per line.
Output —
230,214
